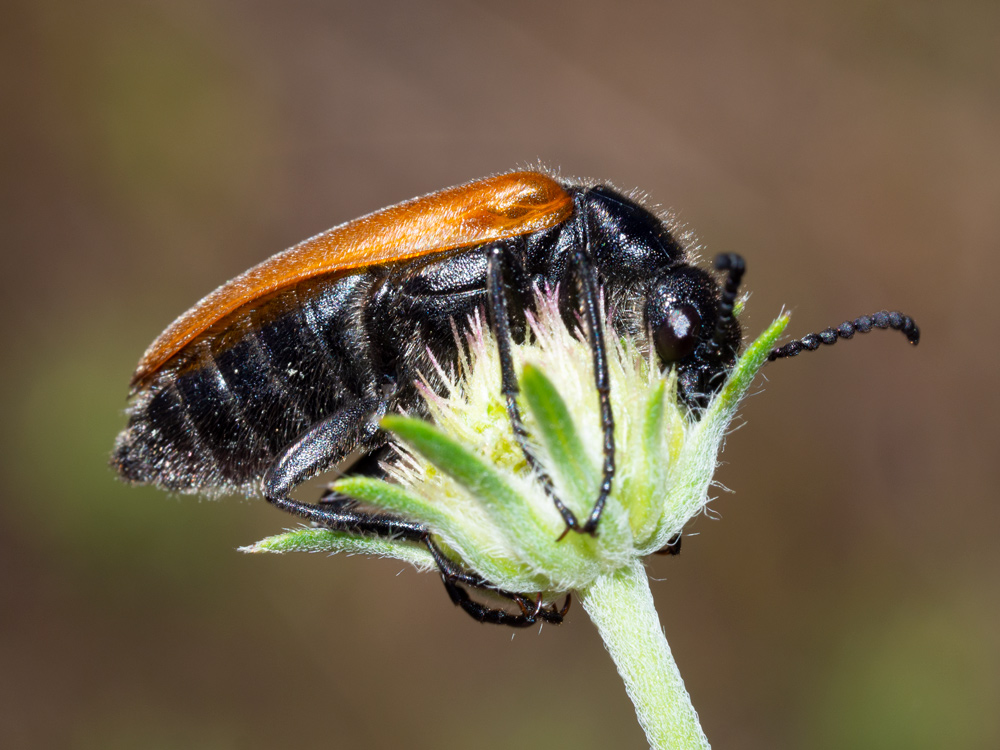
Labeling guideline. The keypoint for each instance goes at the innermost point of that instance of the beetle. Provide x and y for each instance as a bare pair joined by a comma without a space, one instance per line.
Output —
285,371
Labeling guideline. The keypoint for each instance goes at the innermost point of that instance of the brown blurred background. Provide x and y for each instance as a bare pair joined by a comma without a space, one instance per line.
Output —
848,597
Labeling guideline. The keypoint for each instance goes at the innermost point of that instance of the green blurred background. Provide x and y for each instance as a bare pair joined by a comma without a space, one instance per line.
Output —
848,597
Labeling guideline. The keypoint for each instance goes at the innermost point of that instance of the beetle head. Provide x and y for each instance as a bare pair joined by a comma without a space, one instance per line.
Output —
692,327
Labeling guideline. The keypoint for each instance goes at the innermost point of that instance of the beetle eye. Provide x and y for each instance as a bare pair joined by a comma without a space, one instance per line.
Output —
677,335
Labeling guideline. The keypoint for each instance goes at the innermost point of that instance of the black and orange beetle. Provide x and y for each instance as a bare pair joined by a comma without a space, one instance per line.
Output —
285,371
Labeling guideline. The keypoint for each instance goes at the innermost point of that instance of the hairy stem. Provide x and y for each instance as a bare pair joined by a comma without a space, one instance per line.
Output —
621,605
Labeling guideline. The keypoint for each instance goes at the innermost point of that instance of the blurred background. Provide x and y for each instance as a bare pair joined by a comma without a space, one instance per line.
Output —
847,594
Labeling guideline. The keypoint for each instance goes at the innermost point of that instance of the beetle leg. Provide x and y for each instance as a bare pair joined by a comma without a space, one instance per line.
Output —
672,547
510,388
329,442
531,611
590,295
326,444
496,616
343,514
323,446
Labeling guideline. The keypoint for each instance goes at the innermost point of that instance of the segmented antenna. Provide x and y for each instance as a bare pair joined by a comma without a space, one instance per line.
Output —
735,266
846,330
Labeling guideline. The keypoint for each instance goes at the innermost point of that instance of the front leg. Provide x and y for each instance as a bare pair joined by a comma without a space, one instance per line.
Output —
590,298
508,378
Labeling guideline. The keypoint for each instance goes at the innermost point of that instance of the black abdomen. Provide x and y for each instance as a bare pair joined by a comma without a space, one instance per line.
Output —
216,417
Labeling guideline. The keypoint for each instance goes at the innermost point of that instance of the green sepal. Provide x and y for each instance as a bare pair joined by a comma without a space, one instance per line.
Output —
536,527
477,477
568,460
329,541
648,449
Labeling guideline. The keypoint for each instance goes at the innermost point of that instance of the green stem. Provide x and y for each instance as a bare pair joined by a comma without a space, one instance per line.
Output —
621,606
